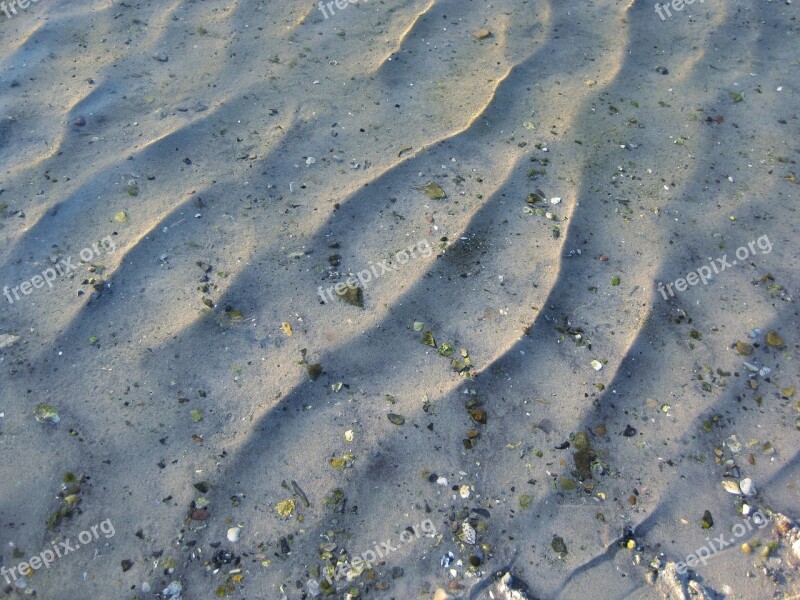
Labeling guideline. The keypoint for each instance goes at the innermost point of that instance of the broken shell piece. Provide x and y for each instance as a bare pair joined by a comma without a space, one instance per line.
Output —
464,491
440,594
748,487
233,534
731,486
596,364
555,200
513,588
467,533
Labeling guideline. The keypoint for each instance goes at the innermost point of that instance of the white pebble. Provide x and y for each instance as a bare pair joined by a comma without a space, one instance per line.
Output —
748,487
233,534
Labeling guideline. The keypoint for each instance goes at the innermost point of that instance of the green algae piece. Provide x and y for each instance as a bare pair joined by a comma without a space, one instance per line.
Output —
46,413
433,189
427,339
314,371
352,295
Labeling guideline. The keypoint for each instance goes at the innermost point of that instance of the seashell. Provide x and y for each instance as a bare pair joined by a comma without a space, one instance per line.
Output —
747,487
467,533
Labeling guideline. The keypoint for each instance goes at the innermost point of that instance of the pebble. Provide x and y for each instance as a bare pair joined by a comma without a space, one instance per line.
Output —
233,534
6,341
747,487
173,589
160,57
731,487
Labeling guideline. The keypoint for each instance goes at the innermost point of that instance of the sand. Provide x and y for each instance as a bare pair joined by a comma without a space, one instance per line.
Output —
181,182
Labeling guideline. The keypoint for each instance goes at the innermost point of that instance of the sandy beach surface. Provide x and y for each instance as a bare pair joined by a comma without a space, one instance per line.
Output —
399,299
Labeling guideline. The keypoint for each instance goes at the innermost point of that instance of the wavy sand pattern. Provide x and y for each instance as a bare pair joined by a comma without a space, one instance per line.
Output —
263,138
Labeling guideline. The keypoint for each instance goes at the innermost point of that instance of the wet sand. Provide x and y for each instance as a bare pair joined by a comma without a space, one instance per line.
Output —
511,380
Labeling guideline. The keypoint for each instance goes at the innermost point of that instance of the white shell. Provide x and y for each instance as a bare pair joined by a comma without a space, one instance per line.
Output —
748,487
468,535
233,534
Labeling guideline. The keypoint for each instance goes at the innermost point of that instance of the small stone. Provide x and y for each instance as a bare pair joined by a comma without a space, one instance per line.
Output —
79,122
313,587
774,340
126,565
482,34
395,419
6,341
558,546
732,487
233,534
160,57
707,521
441,594
662,70
748,487
173,589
